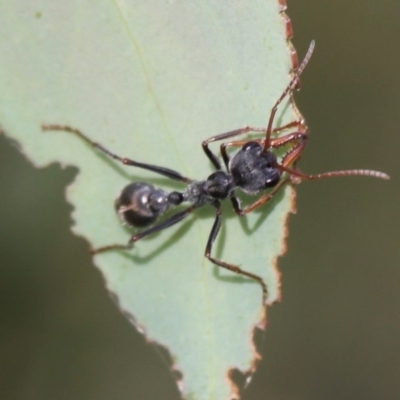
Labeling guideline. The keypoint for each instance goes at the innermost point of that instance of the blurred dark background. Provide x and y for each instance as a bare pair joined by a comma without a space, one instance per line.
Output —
335,335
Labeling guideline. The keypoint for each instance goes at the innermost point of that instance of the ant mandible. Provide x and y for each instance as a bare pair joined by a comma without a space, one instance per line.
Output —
253,169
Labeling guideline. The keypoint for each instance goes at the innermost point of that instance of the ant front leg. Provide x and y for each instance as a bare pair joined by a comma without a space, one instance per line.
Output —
300,124
300,135
169,173
212,157
174,219
285,93
258,203
231,267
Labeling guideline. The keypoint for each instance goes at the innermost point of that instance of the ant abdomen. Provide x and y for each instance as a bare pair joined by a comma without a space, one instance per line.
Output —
140,204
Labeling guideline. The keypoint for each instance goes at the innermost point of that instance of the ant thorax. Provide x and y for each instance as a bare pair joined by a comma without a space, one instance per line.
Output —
253,169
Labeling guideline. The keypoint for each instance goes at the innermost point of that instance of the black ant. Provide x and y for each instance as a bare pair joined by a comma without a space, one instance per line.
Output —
253,169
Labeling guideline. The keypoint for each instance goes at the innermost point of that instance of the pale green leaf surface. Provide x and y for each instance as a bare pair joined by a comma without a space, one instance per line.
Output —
150,80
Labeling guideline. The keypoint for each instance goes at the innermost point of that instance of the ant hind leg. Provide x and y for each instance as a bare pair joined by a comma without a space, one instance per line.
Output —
172,220
231,267
169,173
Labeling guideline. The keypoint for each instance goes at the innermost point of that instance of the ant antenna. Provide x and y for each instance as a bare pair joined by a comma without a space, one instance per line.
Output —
331,174
288,89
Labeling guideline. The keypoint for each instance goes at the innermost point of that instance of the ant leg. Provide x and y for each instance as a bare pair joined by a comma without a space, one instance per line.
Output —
294,154
235,143
212,157
267,142
174,219
291,137
213,234
258,203
298,123
275,143
288,90
169,173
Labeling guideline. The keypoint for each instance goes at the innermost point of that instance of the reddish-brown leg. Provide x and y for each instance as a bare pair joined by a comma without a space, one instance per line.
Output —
288,90
213,158
300,124
260,202
275,143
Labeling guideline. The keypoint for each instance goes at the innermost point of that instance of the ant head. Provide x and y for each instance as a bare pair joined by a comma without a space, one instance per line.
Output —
253,169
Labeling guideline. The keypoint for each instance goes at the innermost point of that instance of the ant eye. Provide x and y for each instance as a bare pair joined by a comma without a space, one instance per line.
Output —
250,146
273,178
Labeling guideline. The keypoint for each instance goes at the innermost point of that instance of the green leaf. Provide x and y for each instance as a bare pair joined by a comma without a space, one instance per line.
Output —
150,80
